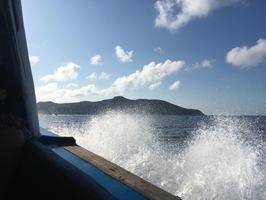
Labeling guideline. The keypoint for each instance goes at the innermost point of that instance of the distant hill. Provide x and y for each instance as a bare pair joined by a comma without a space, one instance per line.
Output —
117,103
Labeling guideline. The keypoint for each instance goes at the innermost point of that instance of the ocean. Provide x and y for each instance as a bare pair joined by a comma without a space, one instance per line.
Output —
194,157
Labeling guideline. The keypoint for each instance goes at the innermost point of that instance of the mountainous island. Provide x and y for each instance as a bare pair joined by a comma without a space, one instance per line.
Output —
117,103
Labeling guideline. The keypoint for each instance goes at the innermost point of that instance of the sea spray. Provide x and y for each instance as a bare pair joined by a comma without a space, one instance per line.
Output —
221,160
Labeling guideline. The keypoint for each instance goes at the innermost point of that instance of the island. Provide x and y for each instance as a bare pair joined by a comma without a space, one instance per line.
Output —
118,103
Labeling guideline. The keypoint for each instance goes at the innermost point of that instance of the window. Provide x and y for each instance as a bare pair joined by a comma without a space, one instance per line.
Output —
172,91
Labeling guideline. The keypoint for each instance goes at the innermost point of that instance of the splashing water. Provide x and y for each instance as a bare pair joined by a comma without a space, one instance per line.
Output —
221,160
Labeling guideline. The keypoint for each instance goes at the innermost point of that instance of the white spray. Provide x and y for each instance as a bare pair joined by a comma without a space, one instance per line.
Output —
221,161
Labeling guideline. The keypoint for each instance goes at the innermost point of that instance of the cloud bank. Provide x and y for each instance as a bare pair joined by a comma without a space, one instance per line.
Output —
150,73
52,92
150,76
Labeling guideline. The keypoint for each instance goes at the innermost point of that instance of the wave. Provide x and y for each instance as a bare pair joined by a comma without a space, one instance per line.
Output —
223,159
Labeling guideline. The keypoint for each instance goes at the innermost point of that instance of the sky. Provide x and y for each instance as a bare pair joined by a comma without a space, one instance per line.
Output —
203,54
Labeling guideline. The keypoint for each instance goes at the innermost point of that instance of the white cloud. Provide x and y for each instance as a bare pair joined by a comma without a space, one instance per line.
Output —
247,57
155,85
174,86
52,92
96,60
48,92
122,55
158,50
204,64
34,59
82,91
46,89
151,73
68,71
173,14
93,76
102,76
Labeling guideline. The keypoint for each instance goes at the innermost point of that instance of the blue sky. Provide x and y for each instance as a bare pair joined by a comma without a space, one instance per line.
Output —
194,53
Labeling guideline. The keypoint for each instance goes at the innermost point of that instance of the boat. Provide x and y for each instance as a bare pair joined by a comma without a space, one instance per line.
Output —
37,166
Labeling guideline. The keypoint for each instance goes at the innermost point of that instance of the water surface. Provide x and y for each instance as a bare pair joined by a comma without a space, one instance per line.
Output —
200,157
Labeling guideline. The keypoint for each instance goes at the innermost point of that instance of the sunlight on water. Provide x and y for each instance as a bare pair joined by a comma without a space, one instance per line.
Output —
222,160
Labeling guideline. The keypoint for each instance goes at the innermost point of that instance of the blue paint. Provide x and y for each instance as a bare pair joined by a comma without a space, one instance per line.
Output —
116,188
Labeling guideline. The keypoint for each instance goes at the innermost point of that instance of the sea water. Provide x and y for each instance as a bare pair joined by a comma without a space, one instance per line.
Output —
200,157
